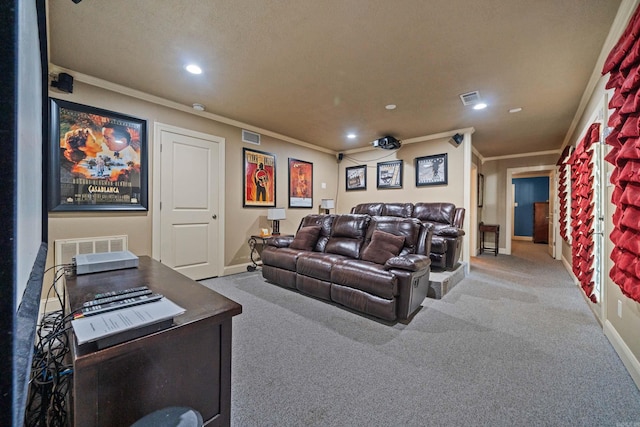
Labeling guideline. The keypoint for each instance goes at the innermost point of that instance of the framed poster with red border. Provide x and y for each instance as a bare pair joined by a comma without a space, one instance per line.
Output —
259,178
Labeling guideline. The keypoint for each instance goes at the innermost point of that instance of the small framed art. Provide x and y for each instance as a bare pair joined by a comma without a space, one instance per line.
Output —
390,174
300,184
431,170
356,178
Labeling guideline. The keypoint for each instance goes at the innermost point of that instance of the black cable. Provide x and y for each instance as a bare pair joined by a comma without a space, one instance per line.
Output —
51,368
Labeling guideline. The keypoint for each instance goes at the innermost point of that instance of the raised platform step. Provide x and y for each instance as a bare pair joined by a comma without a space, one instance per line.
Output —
442,282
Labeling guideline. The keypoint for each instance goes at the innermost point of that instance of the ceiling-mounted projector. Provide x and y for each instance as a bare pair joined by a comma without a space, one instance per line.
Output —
387,142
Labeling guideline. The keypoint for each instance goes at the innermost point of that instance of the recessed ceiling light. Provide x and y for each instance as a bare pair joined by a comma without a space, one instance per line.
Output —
515,110
198,107
480,106
351,136
390,107
193,69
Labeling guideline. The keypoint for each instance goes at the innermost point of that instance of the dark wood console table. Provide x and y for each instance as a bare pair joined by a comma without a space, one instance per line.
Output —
489,228
188,364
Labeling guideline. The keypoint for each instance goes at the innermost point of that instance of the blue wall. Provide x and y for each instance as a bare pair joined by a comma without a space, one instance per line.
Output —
528,191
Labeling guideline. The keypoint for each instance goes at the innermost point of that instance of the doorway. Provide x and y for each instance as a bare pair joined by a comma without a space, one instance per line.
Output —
188,220
528,172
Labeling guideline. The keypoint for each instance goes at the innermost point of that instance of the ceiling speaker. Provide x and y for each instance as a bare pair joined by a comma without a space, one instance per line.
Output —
456,140
64,83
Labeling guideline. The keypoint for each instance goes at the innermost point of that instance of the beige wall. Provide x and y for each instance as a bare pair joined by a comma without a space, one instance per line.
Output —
240,222
452,192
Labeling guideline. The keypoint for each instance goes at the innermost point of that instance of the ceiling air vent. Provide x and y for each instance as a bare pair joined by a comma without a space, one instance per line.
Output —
470,98
250,137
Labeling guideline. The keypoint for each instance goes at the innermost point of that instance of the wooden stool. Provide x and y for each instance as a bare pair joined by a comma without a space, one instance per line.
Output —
489,228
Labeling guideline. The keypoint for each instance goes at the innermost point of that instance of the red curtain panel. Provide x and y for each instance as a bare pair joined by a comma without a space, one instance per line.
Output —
623,66
582,186
563,191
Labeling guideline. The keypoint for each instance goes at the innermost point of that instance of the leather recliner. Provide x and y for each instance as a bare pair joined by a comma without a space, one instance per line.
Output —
447,222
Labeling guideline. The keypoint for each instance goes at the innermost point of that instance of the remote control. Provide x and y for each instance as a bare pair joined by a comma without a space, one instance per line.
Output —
129,302
121,292
107,300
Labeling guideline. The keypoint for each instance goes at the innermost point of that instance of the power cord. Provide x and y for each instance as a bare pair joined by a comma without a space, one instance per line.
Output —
51,366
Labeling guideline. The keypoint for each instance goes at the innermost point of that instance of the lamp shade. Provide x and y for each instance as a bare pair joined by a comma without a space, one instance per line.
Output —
327,204
276,214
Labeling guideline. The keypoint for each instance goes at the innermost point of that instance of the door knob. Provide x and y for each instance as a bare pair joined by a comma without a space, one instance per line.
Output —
214,216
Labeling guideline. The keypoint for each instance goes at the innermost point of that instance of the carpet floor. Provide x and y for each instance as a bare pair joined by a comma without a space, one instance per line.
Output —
513,344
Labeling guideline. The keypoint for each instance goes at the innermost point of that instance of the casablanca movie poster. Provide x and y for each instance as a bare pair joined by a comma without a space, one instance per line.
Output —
259,178
98,159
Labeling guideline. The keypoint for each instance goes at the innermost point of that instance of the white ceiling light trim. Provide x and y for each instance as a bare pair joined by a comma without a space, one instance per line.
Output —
193,69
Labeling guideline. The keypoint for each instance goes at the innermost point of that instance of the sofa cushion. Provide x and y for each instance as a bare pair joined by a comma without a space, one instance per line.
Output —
285,258
306,238
382,247
403,210
409,228
365,276
348,235
372,209
317,265
435,212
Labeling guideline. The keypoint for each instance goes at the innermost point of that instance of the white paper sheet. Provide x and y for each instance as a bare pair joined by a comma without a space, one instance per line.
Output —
92,328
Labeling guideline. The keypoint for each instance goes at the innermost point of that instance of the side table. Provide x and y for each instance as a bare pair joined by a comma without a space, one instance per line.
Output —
489,228
255,241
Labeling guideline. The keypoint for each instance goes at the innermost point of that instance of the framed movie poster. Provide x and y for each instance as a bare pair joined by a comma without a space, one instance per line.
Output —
300,184
259,178
97,159
431,170
356,178
390,174
480,190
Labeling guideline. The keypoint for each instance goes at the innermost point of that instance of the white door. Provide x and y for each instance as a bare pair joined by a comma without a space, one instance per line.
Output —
189,215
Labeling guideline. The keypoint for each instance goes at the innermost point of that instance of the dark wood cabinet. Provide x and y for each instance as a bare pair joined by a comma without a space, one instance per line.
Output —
188,364
541,222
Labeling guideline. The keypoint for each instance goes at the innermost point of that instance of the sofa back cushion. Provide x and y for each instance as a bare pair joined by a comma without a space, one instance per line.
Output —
409,228
306,238
404,210
347,235
325,222
372,209
435,212
383,246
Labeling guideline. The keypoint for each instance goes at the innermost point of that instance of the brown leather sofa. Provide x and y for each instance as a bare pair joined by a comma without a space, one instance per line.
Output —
446,219
378,266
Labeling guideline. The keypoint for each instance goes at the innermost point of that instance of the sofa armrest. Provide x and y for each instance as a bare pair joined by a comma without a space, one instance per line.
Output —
449,232
280,241
411,262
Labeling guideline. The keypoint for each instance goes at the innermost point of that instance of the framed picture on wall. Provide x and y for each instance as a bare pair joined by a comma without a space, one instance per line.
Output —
356,178
480,190
300,184
389,174
97,159
259,176
431,170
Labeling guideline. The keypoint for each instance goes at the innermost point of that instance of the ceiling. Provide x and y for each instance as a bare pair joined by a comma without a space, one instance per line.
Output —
317,70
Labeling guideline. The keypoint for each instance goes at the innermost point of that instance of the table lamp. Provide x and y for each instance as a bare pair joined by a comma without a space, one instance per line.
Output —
327,204
275,215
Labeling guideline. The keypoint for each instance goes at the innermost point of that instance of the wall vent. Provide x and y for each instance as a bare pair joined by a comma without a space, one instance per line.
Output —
66,249
250,137
470,98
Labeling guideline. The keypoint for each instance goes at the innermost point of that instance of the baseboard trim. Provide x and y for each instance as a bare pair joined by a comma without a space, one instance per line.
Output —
235,269
626,355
